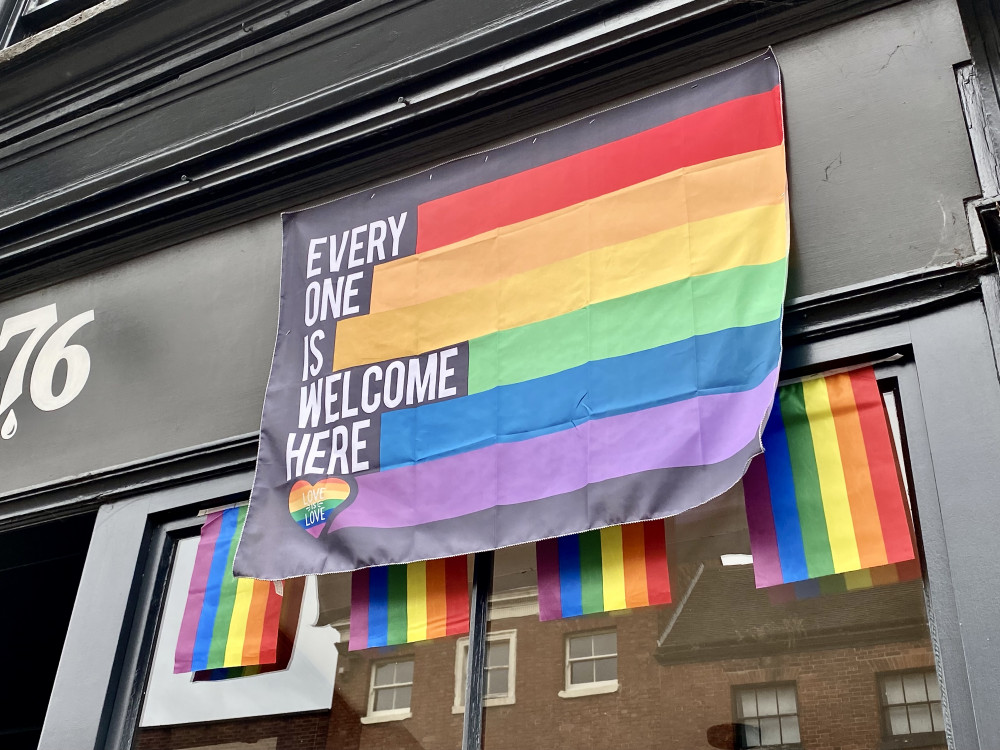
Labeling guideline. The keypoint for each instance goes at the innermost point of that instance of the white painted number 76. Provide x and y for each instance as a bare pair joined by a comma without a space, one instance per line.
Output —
42,380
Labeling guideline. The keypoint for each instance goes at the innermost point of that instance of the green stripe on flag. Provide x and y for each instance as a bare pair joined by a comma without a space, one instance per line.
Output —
737,297
591,572
227,598
808,496
397,605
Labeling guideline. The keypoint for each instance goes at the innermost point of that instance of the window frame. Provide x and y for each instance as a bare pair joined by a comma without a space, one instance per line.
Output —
462,670
889,741
739,736
598,687
374,716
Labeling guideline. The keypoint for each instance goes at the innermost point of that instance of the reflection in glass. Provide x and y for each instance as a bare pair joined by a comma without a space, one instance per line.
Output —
724,665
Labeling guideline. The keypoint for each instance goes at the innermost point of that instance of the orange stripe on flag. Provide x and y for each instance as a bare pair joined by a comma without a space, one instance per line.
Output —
860,493
255,622
437,599
634,558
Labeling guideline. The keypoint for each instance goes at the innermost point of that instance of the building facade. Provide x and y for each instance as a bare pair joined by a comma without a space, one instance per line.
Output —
147,151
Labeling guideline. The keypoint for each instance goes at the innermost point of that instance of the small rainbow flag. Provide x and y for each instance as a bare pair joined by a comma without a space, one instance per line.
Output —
618,567
826,497
288,624
396,604
839,583
227,622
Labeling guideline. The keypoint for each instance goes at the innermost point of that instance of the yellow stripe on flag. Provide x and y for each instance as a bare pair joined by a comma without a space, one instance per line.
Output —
836,506
613,565
416,602
705,191
238,624
751,237
858,579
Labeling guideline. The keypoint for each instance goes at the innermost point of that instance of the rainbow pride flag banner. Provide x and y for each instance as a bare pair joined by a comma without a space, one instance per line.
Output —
618,567
500,349
231,622
396,604
827,496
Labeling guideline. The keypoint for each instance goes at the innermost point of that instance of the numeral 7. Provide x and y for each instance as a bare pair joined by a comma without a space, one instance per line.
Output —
38,322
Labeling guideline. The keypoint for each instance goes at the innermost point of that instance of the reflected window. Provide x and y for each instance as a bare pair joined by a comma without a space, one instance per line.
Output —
392,686
766,715
591,662
911,705
501,648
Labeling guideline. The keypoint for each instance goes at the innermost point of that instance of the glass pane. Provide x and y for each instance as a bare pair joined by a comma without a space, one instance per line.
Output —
767,702
688,673
404,671
920,719
385,674
786,700
496,682
893,686
770,732
319,696
606,669
898,721
498,654
914,688
581,646
789,729
933,688
937,717
605,643
402,697
751,732
581,672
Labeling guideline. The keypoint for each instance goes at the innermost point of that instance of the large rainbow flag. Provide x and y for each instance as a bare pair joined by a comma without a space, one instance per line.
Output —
231,622
577,330
618,567
397,604
827,496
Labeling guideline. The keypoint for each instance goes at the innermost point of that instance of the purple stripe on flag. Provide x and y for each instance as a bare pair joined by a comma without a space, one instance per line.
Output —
196,593
760,518
360,594
549,596
696,432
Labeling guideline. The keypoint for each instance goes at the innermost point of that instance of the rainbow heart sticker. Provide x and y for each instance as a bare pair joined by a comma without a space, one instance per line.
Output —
312,505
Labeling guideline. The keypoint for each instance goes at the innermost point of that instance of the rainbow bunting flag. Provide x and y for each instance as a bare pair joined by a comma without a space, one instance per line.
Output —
618,567
396,604
227,622
826,497
500,349
840,583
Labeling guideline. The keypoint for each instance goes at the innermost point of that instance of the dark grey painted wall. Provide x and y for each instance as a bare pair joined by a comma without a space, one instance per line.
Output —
181,342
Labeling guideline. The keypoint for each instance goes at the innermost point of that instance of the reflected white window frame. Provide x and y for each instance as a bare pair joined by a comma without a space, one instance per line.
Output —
394,714
461,648
580,690
740,740
909,739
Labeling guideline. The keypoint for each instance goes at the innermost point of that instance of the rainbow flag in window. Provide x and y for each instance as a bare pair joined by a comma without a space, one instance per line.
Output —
231,622
827,496
396,604
842,583
619,567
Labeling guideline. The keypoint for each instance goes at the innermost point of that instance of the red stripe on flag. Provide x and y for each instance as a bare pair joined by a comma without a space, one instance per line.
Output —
882,465
657,575
269,634
457,587
738,126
